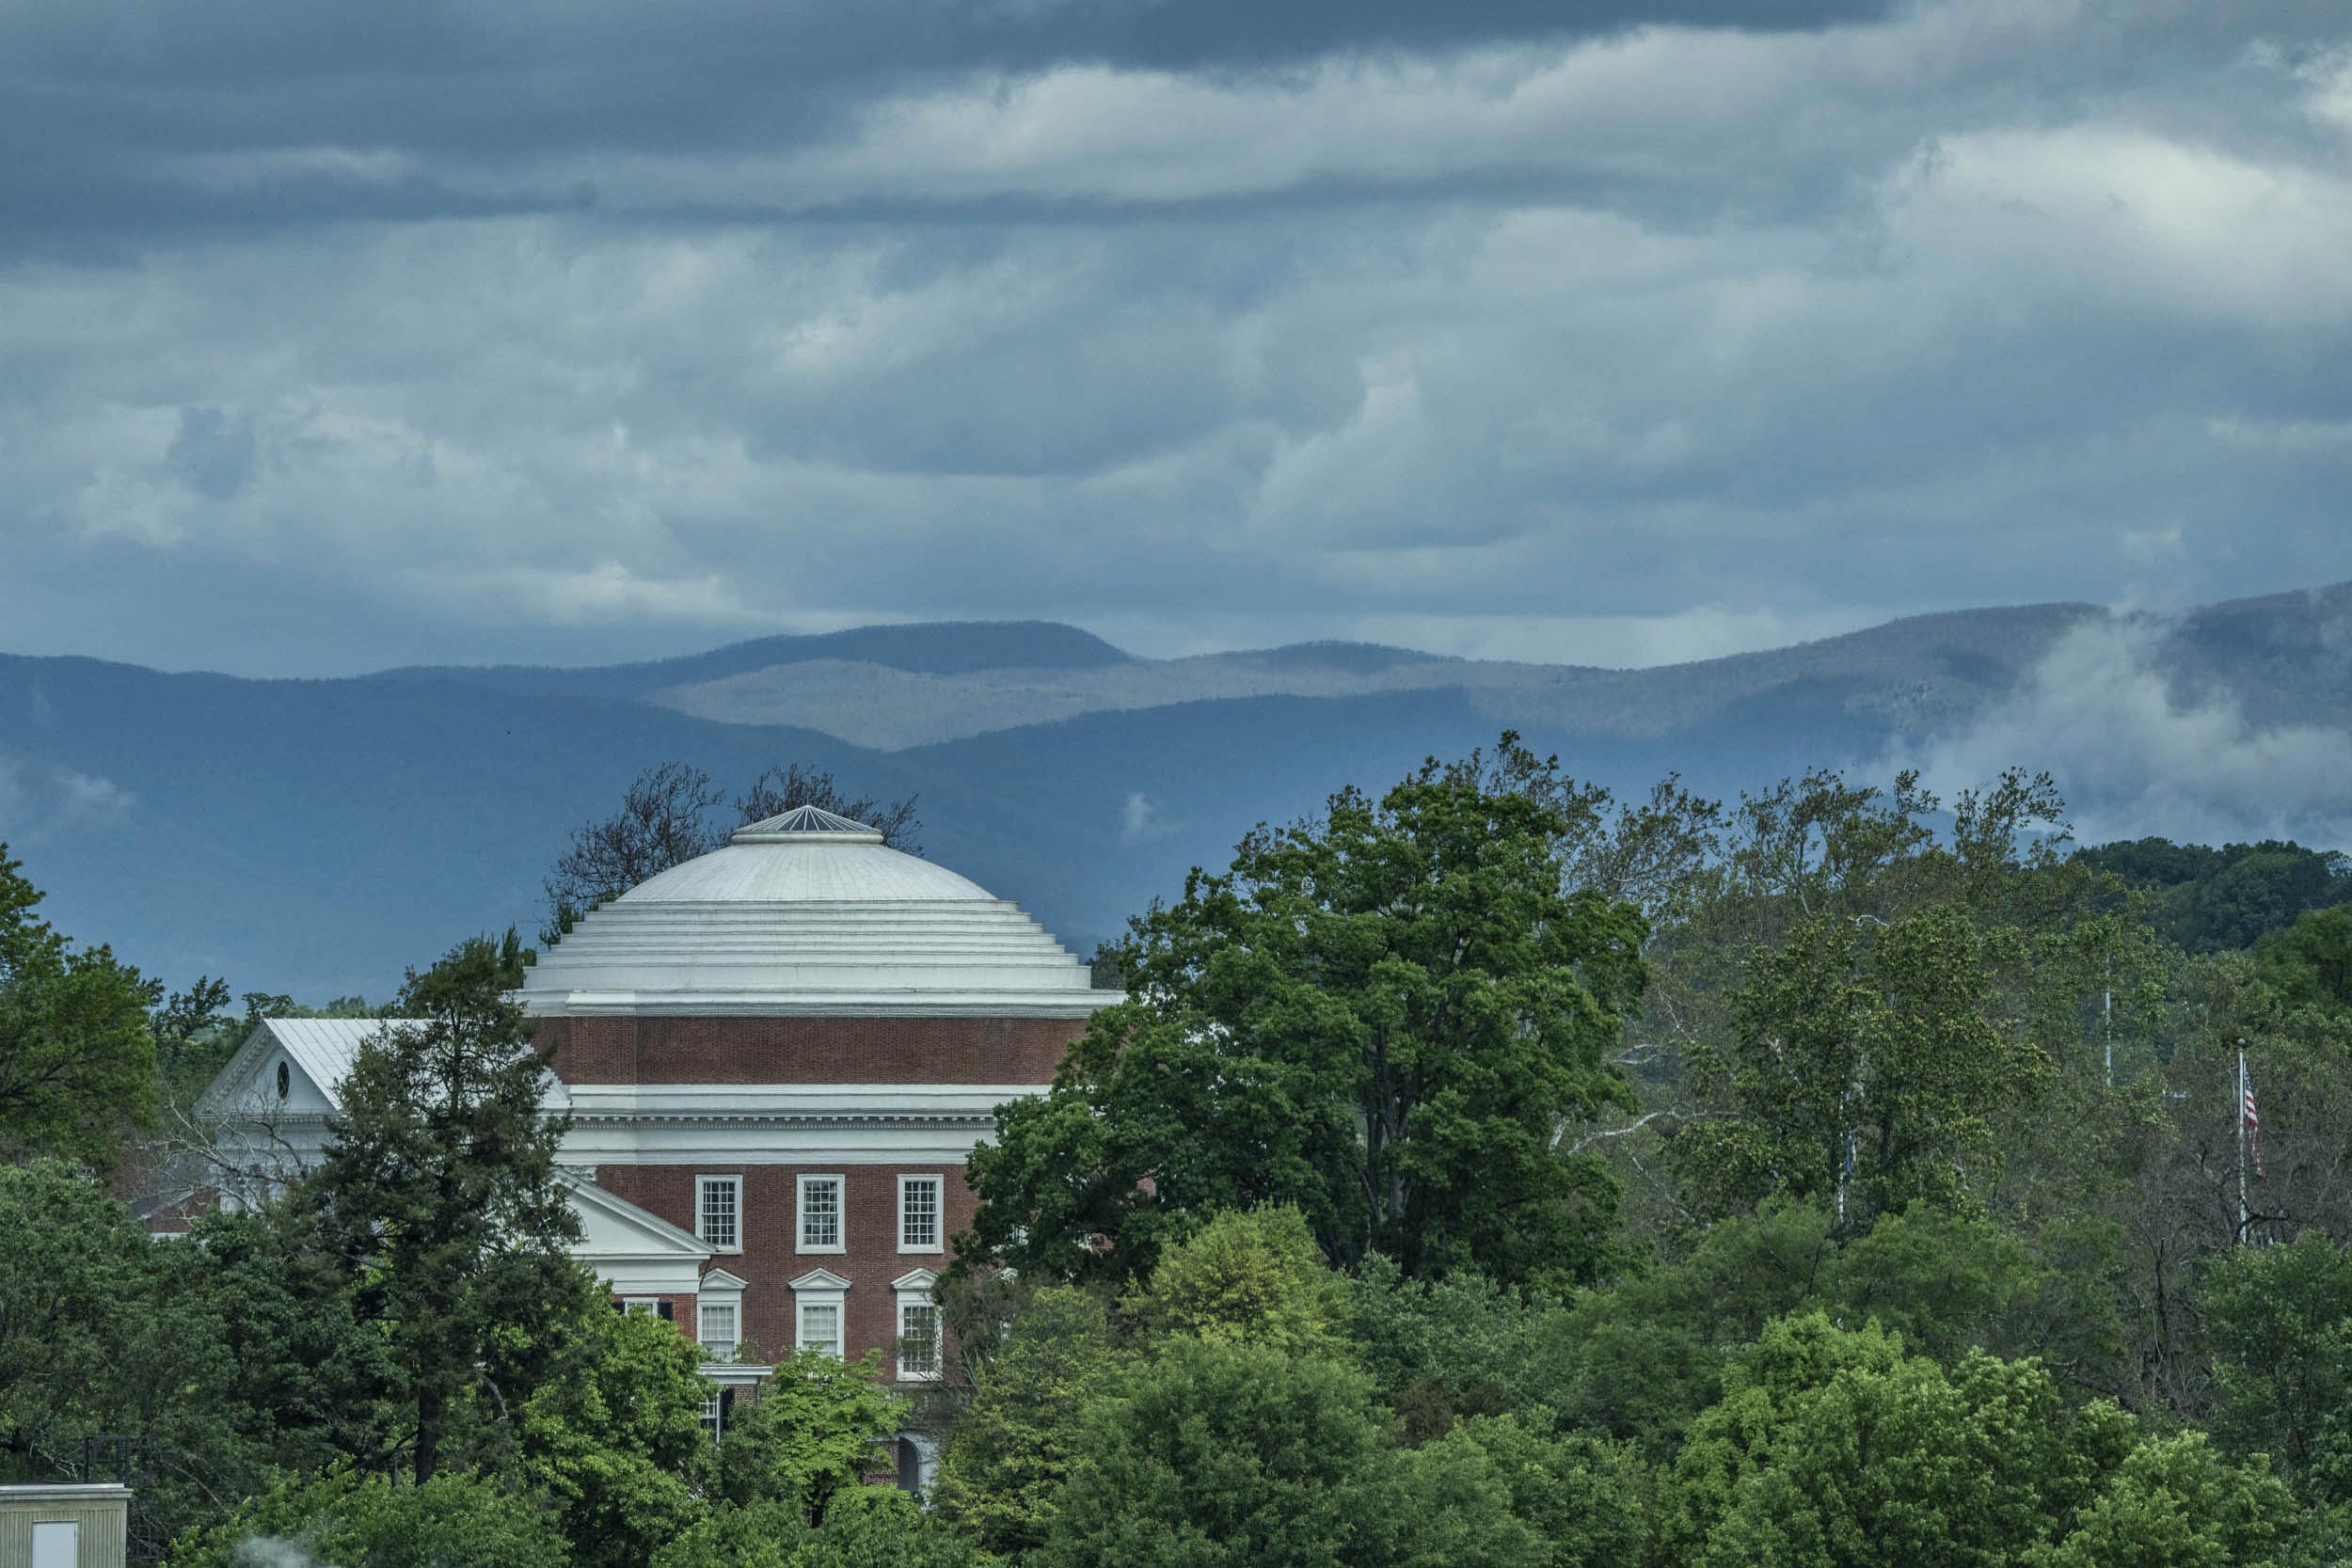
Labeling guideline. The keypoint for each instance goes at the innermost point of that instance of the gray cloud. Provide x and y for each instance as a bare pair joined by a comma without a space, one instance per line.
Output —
573,333
2139,756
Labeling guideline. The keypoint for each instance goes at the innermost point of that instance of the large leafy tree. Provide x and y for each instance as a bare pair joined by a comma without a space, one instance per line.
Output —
869,1526
1002,1476
2310,962
437,1197
1253,1278
613,1436
1217,1454
77,1059
350,1519
101,1333
2280,1321
1866,1068
1830,1449
812,1433
1388,1019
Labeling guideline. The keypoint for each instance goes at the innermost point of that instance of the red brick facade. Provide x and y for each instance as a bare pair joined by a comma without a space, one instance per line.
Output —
744,1050
770,1259
808,1050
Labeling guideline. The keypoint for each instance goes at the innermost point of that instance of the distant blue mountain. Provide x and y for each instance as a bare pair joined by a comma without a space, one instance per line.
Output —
940,647
318,836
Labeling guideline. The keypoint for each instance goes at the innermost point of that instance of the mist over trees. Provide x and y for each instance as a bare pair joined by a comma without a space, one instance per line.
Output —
1489,1170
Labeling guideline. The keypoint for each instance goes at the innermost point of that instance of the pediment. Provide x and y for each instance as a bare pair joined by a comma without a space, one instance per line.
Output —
613,1227
919,1279
820,1279
245,1088
722,1283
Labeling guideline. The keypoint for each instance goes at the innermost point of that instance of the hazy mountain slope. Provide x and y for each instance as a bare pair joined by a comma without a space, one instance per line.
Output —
943,646
1914,671
318,836
2287,659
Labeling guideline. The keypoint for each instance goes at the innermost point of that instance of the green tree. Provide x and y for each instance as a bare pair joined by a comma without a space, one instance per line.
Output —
1001,1478
1384,1019
77,1059
1253,1278
1217,1454
614,1437
308,1381
812,1432
1832,1450
2174,1503
2311,961
98,1333
1439,1350
1866,1071
868,1527
350,1520
438,1195
2279,1321
1496,1490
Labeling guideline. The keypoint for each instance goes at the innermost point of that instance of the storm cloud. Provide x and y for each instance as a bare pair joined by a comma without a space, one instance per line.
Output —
333,338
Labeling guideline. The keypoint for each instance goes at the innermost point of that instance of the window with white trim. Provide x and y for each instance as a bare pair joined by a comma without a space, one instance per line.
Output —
651,1306
918,1213
717,1410
719,1328
820,1227
718,1211
918,1339
819,1326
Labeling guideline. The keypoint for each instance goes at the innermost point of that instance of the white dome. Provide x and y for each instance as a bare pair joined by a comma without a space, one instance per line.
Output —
804,873
808,913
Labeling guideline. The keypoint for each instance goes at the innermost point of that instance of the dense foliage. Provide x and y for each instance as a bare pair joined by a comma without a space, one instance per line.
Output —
1382,1018
1487,1172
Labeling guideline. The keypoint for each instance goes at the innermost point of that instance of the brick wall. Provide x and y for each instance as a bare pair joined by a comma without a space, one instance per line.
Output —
771,1259
808,1050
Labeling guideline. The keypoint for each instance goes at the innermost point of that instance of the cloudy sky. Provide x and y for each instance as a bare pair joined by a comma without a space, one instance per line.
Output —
333,337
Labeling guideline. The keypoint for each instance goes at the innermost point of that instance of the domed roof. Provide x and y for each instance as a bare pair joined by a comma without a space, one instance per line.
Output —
809,913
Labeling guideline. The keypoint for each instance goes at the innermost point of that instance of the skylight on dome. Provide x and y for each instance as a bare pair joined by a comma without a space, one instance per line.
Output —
806,822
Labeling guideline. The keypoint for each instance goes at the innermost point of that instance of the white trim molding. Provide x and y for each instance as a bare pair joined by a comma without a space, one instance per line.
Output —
823,1291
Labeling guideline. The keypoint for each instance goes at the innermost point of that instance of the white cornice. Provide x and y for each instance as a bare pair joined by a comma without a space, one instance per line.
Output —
779,1004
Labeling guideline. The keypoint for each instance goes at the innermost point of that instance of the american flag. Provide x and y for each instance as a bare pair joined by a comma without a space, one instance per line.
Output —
2253,1122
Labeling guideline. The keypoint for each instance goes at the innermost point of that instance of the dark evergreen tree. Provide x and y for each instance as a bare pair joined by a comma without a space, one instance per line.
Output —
438,1197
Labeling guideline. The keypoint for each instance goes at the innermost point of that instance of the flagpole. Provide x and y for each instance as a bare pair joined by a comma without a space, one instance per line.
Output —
2240,1109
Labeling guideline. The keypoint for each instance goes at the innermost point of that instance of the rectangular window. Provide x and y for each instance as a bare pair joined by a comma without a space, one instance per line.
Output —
918,1213
820,1327
918,1340
649,1306
717,1410
718,1211
820,1213
717,1329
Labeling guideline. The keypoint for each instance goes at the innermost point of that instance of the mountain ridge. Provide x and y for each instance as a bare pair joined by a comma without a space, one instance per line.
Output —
318,835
